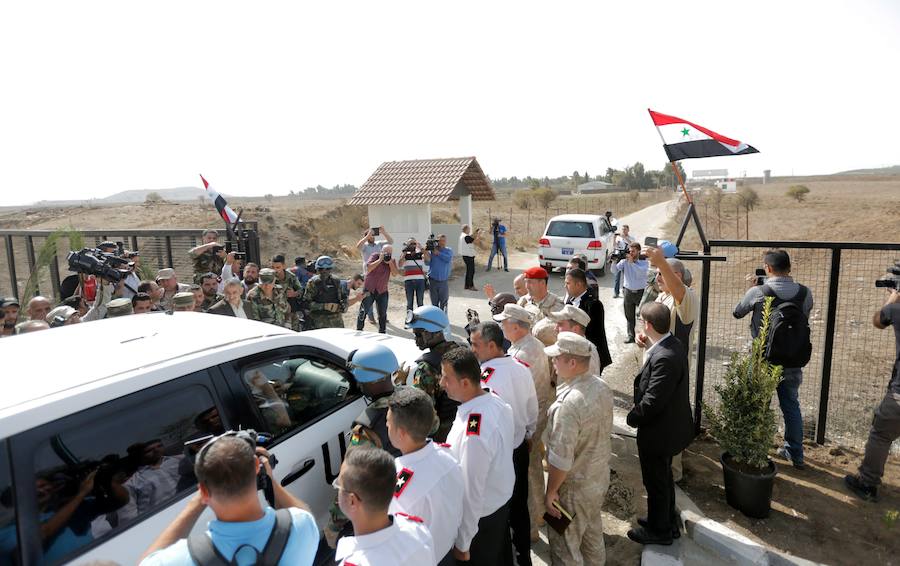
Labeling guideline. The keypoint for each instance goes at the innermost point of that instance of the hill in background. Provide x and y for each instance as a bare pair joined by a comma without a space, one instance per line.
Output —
892,170
177,194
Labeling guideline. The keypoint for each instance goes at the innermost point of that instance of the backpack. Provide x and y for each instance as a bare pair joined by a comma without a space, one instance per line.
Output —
204,552
788,343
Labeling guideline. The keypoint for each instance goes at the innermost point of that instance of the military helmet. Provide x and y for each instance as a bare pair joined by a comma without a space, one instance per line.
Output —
372,363
324,262
500,300
428,318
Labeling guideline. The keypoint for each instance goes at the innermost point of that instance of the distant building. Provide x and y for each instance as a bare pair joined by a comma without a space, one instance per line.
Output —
595,187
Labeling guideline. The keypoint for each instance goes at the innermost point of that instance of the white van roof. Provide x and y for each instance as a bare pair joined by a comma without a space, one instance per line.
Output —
576,217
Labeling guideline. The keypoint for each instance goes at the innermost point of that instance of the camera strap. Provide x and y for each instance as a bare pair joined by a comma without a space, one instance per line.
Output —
424,275
204,553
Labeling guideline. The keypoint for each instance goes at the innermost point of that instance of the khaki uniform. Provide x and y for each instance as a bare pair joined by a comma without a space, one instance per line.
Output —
530,350
539,309
326,302
578,442
166,302
274,310
207,262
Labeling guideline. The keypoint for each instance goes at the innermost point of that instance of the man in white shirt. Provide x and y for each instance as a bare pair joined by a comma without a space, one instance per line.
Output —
511,380
429,480
365,489
467,250
481,440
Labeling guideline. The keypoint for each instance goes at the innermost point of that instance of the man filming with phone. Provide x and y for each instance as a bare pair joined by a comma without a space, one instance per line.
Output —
208,256
634,269
243,532
368,246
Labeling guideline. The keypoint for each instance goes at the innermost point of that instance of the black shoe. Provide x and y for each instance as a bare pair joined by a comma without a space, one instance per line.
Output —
642,535
506,270
863,491
786,456
676,532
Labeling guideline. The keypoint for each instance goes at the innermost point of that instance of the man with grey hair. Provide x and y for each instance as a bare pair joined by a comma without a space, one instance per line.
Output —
31,326
516,324
232,304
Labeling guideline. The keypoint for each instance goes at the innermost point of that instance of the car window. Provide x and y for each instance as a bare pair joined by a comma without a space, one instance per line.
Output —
569,229
8,538
291,392
112,468
605,226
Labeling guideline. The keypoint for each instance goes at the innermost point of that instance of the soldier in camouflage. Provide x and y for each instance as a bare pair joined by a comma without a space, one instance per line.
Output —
208,256
325,297
429,323
209,283
269,300
373,367
293,290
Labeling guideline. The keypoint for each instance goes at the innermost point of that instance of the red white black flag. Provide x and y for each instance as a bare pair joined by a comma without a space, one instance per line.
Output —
686,140
225,211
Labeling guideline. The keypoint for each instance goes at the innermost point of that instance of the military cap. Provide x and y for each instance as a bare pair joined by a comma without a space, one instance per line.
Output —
536,273
8,302
267,275
165,273
570,312
118,307
62,311
569,343
183,299
514,312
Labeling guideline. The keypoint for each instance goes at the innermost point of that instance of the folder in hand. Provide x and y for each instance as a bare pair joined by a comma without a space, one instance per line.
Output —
559,524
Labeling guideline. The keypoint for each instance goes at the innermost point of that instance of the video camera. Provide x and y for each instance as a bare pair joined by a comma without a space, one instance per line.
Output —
92,261
431,243
893,279
411,250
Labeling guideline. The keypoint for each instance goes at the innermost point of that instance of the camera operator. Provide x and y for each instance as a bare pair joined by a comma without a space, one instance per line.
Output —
440,264
208,256
412,265
499,232
634,268
467,242
886,422
367,247
621,241
378,271
226,470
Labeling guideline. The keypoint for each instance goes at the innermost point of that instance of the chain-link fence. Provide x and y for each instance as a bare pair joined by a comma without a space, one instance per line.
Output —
852,360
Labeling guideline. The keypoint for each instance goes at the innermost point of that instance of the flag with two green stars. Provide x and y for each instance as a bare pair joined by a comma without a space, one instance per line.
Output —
686,140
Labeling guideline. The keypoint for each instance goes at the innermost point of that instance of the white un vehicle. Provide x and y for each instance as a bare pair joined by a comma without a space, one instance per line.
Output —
97,419
568,235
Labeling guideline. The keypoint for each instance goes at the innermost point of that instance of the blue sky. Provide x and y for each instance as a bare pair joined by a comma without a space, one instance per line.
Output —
100,97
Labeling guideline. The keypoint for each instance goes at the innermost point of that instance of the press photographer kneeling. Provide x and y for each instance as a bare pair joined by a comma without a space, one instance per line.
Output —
227,468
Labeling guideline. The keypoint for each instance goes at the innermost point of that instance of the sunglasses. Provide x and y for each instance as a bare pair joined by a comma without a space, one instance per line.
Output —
339,487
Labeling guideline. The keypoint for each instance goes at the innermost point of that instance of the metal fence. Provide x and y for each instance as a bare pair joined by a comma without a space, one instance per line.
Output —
158,249
852,360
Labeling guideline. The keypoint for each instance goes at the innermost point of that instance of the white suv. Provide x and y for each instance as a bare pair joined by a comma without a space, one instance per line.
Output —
97,419
568,235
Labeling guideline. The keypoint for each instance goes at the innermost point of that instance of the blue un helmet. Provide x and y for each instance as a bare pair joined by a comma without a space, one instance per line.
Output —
428,318
324,262
668,248
372,363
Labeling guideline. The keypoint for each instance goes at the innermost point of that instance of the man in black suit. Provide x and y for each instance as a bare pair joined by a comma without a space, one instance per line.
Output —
232,304
662,415
578,294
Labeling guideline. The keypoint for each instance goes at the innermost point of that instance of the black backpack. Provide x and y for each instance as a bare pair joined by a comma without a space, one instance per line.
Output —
788,343
204,552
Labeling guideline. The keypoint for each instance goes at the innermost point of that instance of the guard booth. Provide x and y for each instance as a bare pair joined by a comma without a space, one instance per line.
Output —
399,195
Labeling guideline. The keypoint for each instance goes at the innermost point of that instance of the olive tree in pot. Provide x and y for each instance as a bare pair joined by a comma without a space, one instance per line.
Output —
744,425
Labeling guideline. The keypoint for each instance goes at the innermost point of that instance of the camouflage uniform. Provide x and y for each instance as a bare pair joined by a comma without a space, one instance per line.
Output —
326,302
427,377
274,310
165,303
530,350
210,301
207,262
578,441
291,282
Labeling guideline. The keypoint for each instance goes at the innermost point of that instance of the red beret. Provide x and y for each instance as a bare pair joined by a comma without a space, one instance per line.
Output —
536,273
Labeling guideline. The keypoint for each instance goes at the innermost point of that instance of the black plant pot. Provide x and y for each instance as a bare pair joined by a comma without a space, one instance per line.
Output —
751,494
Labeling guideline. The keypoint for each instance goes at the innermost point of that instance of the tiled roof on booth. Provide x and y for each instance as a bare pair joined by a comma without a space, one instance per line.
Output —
424,181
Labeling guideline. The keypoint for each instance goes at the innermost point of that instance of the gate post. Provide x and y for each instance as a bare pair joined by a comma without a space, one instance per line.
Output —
833,283
701,342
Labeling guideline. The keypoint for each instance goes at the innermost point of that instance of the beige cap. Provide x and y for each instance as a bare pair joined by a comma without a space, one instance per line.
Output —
118,307
569,343
63,311
545,331
166,273
267,275
515,312
183,299
571,312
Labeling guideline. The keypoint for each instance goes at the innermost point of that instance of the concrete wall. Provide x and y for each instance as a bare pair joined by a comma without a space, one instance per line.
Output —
403,221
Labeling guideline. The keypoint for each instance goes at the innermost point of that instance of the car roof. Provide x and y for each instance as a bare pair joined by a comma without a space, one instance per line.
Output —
52,361
576,218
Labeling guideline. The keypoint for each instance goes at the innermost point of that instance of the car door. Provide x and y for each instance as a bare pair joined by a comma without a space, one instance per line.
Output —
307,400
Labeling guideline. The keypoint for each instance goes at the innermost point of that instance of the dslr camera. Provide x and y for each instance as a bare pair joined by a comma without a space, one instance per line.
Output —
431,243
254,439
92,261
410,250
892,281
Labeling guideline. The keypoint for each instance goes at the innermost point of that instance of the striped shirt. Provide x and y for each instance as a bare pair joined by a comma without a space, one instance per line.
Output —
411,271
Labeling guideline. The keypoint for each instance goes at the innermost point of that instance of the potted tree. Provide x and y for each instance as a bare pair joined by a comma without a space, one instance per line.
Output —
744,425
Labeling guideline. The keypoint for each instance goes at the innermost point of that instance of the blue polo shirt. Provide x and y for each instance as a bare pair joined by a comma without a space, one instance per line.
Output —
440,264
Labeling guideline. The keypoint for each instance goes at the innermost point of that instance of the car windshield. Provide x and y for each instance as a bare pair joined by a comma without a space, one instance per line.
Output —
569,229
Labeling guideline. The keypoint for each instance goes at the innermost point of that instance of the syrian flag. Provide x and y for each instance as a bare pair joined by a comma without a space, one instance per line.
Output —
686,140
225,211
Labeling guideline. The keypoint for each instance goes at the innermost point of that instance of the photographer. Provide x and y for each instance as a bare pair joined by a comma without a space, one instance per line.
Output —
499,233
367,246
467,242
378,271
208,256
439,273
413,269
634,268
231,269
227,469
621,242
886,422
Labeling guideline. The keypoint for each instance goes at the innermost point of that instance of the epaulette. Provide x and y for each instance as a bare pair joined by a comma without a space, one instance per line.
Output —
474,425
487,374
403,478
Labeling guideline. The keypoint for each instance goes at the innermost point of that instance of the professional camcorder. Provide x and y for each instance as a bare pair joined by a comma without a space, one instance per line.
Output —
431,243
892,281
92,261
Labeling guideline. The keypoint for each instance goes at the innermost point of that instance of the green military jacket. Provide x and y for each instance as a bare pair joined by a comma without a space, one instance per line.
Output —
274,310
207,262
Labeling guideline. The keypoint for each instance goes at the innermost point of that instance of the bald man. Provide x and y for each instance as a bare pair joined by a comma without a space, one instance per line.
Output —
38,308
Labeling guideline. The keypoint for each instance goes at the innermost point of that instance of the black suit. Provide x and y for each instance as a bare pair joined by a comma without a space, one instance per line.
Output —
225,309
662,415
596,329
